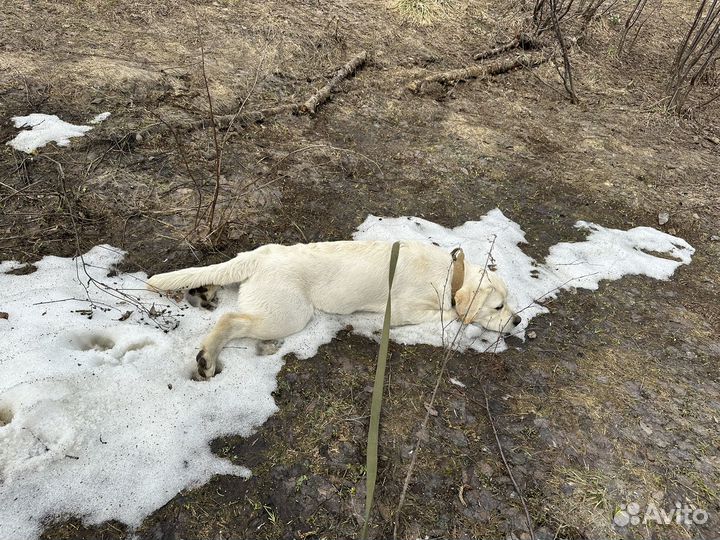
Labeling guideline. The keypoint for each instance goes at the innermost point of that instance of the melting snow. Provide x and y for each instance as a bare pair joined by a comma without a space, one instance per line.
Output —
46,128
100,118
99,417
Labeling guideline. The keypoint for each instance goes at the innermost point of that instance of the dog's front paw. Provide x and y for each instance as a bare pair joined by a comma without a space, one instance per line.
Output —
205,366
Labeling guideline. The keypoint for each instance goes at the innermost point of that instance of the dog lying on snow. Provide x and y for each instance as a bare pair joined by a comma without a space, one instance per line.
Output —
283,285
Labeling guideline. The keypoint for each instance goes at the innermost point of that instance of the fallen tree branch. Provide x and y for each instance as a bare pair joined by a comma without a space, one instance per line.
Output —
474,72
322,95
309,106
245,118
522,41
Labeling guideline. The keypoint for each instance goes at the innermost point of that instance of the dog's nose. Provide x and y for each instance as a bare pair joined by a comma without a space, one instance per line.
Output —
517,319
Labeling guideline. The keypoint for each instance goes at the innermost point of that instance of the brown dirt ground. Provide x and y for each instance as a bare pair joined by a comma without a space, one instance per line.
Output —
617,400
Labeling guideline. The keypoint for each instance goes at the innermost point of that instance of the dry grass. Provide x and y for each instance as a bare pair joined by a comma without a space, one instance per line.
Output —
423,12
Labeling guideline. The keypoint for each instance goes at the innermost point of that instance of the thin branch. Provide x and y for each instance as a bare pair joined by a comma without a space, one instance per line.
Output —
216,143
507,467
567,75
695,55
630,22
450,351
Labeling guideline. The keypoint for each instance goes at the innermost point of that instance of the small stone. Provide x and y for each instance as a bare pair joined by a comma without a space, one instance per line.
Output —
712,139
406,451
531,334
486,469
715,238
663,218
662,443
4,315
647,429
458,438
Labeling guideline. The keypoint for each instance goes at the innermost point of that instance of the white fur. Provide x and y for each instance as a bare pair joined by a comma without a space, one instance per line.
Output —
283,285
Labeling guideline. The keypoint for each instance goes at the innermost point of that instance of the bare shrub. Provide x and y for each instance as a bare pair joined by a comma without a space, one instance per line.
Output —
633,22
547,14
695,56
545,11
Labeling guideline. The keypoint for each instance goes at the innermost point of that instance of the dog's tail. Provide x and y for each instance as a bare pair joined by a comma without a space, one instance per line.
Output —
232,271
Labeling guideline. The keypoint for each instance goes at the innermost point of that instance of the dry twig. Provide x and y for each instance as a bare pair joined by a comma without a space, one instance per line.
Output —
567,68
450,351
216,142
507,467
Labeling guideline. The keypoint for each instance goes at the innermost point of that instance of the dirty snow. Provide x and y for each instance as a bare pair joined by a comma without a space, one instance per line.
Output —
46,128
99,417
100,118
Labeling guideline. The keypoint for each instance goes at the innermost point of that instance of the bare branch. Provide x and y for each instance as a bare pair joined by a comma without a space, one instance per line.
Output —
697,52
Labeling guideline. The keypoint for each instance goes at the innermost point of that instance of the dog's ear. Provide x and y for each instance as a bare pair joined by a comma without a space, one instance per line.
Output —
469,301
458,270
461,301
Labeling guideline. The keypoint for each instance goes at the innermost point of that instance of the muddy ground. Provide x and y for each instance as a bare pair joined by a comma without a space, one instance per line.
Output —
617,400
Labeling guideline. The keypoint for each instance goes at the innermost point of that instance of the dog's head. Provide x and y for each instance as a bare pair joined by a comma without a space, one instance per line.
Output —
482,300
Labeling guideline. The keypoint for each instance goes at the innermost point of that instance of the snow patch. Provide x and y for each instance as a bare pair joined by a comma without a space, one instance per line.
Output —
44,128
606,254
100,419
100,118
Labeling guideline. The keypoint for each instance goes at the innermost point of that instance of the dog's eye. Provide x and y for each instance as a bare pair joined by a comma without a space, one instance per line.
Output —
500,307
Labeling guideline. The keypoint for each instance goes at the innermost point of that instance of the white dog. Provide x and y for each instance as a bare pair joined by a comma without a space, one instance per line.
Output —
283,285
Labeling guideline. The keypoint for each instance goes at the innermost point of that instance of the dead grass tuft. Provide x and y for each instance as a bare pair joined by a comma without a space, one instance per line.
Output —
422,12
